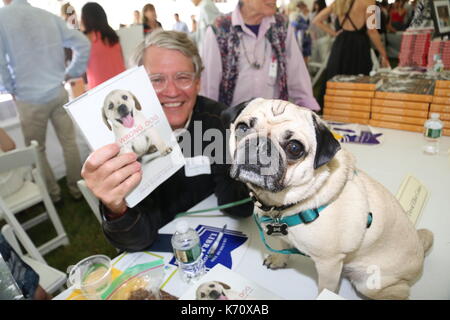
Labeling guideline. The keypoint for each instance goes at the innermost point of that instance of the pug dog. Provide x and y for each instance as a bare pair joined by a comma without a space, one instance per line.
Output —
215,290
292,164
122,114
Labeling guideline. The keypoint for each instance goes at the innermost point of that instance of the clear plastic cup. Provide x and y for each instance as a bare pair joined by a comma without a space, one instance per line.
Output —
92,275
82,296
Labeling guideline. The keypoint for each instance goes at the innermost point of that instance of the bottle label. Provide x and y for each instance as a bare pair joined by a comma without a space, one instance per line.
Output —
188,256
433,133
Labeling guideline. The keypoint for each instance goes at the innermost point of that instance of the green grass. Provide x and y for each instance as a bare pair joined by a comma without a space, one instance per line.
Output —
83,229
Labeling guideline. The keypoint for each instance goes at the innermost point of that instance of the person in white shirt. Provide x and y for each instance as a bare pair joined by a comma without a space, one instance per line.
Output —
208,13
32,70
179,25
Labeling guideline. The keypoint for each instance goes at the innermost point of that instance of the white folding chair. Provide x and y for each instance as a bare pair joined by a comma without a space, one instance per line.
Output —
92,201
30,194
50,279
323,47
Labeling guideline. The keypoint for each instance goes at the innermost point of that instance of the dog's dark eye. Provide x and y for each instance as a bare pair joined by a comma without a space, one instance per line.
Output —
111,105
242,127
212,285
124,97
294,150
203,295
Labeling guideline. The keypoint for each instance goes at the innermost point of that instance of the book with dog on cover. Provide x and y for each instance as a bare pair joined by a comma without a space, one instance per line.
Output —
409,89
126,110
354,82
221,283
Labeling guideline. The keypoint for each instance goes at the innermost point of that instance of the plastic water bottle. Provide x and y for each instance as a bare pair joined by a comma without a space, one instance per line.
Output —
188,252
433,131
438,64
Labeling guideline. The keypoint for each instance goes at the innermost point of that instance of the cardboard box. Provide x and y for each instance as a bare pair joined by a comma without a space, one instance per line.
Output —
400,112
395,125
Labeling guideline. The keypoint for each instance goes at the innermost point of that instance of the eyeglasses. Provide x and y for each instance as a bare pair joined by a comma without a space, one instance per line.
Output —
182,80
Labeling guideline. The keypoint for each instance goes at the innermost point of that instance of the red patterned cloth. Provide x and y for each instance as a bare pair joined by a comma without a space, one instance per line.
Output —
414,48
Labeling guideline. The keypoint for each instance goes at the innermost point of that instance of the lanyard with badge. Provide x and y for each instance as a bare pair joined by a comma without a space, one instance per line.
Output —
273,68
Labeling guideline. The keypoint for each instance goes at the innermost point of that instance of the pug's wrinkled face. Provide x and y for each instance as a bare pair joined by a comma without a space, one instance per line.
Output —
276,145
119,108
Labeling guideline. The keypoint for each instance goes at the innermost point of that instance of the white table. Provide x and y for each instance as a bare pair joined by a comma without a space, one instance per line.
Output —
400,154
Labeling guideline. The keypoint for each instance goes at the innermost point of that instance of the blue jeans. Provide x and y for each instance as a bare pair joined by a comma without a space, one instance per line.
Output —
27,279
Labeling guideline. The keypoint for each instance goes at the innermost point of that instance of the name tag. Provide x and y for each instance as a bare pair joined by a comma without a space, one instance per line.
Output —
273,68
196,166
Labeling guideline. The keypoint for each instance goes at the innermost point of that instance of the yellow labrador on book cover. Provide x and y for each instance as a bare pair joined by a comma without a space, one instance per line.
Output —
122,113
291,163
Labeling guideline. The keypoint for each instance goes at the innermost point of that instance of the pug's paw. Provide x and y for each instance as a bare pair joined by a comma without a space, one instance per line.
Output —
276,261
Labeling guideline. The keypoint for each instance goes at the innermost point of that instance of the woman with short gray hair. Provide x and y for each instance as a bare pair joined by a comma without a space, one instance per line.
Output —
174,66
173,40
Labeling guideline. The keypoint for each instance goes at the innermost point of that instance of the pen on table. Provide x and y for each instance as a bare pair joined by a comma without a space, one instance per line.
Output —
214,246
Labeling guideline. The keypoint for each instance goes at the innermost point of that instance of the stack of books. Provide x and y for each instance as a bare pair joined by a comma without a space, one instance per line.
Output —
414,48
441,103
402,103
348,98
441,47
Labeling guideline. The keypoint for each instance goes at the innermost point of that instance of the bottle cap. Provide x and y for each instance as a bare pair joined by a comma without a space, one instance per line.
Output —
434,115
182,226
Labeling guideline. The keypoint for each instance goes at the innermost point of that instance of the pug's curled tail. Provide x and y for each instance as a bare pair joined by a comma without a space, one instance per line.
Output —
426,237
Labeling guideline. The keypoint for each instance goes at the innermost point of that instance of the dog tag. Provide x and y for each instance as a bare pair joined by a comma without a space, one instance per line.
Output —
277,229
196,166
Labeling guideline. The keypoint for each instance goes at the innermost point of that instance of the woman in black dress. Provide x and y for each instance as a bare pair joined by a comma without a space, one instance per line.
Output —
355,28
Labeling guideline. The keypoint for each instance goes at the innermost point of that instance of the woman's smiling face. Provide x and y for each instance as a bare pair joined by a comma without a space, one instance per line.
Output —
177,103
